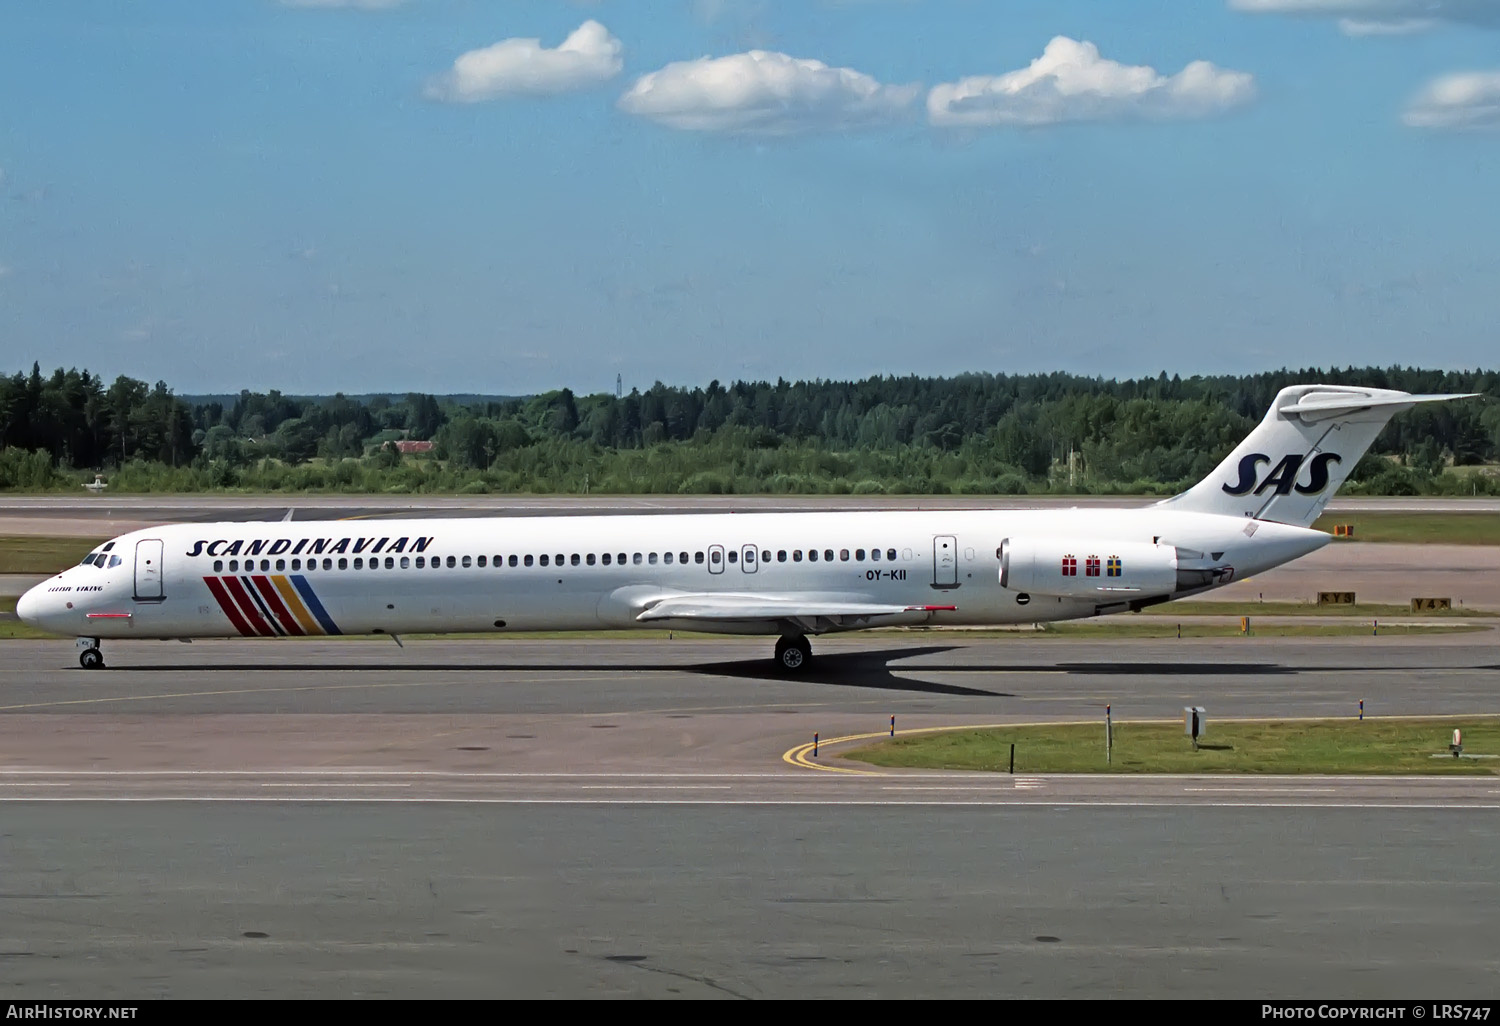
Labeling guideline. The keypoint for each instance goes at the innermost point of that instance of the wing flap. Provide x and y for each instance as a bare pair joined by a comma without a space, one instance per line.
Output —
712,608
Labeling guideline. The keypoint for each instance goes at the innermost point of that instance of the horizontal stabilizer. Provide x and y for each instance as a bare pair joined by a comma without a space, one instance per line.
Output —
1326,403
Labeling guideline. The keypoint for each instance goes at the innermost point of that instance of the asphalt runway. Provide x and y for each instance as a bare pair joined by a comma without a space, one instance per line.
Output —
627,901
601,818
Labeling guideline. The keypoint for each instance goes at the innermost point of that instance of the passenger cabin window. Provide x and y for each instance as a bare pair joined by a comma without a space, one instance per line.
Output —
666,557
543,559
390,562
651,559
451,562
713,557
343,563
733,556
281,564
359,563
528,560
812,555
637,559
421,562
828,555
589,559
606,558
327,563
843,555
765,555
890,553
480,561
697,557
796,555
234,566
406,562
513,561
781,555
875,554
467,561
218,566
859,554
575,559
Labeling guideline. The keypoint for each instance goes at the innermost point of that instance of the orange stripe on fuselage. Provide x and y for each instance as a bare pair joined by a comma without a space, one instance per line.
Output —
294,603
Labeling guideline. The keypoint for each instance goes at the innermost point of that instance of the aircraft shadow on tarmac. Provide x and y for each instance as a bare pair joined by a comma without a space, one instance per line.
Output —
871,669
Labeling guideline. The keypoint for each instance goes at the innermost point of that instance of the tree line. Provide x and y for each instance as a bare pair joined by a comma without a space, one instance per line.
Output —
980,433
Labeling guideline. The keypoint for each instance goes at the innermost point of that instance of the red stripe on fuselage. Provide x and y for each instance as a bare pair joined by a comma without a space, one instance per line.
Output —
247,606
273,600
216,587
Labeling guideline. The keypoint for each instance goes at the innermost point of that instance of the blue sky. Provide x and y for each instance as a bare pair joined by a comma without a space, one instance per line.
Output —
371,195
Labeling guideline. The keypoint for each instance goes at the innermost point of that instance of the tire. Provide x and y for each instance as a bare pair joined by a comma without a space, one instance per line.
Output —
793,655
91,659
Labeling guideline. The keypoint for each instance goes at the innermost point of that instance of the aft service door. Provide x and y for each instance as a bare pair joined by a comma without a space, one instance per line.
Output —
945,561
749,559
148,570
716,559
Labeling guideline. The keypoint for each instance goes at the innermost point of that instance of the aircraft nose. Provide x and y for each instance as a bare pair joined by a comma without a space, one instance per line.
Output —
29,607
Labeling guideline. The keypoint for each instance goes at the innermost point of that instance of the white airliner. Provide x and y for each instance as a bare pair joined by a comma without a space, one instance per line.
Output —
788,575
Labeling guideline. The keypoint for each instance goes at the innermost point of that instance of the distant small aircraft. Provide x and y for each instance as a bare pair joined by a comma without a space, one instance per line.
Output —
786,575
97,485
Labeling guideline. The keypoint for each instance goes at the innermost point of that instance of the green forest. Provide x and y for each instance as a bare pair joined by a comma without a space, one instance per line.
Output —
969,434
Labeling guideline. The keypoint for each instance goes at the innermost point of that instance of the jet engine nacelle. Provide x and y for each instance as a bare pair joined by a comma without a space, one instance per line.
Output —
1087,569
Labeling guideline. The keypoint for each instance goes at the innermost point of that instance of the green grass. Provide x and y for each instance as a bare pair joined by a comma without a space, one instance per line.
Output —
1375,746
37,554
1424,528
1365,610
1162,629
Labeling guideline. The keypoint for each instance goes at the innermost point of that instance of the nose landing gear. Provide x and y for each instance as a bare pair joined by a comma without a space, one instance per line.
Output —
89,656
793,654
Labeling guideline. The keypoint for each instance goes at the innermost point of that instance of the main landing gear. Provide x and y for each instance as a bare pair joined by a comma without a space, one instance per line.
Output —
793,654
89,656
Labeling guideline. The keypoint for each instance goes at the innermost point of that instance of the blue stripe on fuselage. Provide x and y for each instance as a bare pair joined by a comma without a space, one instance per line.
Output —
314,606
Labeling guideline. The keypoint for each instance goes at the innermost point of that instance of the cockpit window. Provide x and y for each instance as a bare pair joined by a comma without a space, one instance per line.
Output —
88,560
115,561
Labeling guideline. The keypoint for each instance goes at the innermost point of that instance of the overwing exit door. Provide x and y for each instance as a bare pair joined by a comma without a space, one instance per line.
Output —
945,561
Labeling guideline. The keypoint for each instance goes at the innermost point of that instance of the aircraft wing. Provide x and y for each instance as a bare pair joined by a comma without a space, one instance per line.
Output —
828,612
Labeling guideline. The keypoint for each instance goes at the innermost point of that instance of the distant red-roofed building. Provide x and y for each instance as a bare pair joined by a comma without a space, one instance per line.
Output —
406,447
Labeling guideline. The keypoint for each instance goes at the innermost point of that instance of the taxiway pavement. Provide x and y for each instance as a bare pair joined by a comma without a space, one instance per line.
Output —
601,818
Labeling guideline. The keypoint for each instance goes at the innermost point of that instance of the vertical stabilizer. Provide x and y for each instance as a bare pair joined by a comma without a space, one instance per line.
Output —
1296,459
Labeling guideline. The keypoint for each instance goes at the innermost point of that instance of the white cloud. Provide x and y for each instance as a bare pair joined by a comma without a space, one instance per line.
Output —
1407,27
764,93
368,5
1071,82
1465,101
1381,17
523,66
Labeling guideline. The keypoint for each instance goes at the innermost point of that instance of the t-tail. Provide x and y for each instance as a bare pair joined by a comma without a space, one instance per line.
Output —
1299,455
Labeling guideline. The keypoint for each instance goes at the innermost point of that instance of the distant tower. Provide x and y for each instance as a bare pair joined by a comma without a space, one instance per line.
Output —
619,386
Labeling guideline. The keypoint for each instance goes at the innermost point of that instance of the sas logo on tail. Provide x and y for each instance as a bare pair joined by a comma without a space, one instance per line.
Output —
1284,477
